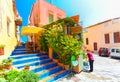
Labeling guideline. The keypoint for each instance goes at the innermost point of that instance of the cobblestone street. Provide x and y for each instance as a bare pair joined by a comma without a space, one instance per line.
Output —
106,69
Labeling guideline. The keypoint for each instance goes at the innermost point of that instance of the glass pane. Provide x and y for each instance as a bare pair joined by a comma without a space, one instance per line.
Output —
117,50
50,18
113,50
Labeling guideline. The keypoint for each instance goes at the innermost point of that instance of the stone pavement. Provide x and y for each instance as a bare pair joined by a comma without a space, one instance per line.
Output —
89,77
106,69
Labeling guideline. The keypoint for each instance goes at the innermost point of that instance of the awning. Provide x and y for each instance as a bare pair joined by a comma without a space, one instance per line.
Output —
29,31
75,18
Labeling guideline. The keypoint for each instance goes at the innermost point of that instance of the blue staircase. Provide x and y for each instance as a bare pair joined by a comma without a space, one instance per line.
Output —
48,70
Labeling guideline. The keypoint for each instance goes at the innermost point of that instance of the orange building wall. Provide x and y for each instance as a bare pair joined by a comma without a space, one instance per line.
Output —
96,33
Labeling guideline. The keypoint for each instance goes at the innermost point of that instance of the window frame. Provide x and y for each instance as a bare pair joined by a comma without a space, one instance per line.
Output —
50,18
107,38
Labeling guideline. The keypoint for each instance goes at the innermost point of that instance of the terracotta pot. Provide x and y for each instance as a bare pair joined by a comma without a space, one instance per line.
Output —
1,51
27,67
67,67
7,66
1,67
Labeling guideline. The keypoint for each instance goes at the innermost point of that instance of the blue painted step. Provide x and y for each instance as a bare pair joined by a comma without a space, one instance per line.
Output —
67,72
16,50
50,72
20,48
29,60
45,67
36,63
24,56
22,52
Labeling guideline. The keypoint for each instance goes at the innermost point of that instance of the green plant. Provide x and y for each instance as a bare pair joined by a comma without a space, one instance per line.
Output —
3,80
43,43
2,46
27,76
66,46
11,75
10,60
7,61
27,65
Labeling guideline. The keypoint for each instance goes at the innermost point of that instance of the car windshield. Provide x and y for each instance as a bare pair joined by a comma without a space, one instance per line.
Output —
117,50
103,49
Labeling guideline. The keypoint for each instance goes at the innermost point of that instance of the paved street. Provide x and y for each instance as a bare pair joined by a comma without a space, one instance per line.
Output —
106,69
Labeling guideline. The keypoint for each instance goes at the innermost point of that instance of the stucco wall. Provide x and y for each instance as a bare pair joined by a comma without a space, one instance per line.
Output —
9,41
44,8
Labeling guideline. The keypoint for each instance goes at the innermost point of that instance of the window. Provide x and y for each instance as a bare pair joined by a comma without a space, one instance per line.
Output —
8,28
107,39
116,37
117,50
58,18
106,24
50,18
87,41
113,50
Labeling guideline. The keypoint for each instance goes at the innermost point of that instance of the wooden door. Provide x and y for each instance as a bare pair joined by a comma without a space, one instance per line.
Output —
95,46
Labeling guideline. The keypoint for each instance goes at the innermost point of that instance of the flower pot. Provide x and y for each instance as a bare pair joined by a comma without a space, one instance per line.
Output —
1,67
27,68
7,66
1,51
67,67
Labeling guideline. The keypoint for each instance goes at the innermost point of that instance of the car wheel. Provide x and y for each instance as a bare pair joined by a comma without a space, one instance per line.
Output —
107,55
99,54
111,57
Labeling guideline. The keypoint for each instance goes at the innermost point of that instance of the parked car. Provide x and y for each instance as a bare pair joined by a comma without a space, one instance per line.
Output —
104,52
115,52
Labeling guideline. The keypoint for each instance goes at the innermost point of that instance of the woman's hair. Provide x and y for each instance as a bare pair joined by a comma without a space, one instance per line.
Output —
88,50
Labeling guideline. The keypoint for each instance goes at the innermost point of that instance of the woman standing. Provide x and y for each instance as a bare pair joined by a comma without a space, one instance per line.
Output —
91,60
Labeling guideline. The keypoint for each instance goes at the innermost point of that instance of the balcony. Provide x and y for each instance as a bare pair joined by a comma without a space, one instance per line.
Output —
76,29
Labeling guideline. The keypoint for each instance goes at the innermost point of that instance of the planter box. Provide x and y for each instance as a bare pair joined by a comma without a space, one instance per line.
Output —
62,65
79,67
1,51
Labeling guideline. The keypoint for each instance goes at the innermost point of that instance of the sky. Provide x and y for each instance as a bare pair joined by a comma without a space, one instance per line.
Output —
90,11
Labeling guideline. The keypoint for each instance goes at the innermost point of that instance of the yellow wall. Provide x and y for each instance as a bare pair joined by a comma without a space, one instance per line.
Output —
96,34
9,41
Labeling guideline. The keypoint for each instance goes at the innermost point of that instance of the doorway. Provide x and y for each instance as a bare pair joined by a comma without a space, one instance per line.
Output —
95,45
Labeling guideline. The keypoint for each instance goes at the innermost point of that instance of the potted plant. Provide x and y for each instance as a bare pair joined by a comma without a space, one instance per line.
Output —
27,67
2,49
7,63
1,66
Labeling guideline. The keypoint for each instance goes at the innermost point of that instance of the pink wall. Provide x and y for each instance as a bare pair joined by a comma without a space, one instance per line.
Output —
42,9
